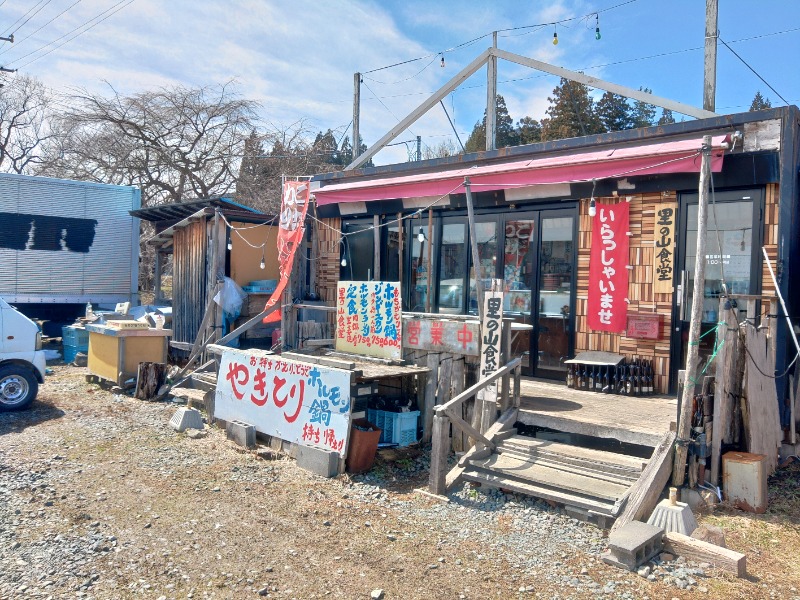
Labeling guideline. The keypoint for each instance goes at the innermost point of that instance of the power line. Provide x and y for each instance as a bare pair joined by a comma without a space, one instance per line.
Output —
30,10
21,25
480,37
744,62
109,12
42,27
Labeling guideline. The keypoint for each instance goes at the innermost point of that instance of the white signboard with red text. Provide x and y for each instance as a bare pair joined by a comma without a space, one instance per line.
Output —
302,403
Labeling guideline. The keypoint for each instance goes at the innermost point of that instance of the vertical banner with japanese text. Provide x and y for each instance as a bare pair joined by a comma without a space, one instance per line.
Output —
490,340
664,240
294,205
368,318
303,403
608,268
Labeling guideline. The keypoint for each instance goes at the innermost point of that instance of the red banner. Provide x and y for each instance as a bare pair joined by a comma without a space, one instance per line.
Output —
608,268
294,206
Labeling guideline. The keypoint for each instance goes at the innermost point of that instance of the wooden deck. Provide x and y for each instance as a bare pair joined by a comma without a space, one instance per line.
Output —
639,420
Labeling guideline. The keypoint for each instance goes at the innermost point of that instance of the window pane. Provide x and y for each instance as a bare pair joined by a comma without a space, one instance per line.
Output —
452,268
390,268
359,249
486,234
418,271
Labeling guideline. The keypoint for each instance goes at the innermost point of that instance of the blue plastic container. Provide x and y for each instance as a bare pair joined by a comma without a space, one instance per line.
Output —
396,428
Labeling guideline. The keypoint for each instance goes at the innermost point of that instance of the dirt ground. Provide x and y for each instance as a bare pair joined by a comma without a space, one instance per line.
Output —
100,498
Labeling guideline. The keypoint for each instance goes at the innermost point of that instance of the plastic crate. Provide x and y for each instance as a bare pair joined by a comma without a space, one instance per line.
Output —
75,336
70,352
396,428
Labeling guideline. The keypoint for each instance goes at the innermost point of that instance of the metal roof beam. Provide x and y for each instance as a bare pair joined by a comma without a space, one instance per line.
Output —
679,107
448,87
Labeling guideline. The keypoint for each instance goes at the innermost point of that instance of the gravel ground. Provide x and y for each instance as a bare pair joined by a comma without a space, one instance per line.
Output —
99,498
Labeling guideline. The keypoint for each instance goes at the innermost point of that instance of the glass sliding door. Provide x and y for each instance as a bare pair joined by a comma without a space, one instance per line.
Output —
554,299
452,268
539,285
730,258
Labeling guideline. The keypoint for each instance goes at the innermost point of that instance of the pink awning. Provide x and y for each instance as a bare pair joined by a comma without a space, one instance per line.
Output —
651,159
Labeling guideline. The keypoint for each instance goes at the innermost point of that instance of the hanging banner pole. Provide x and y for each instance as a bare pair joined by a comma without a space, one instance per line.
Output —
291,230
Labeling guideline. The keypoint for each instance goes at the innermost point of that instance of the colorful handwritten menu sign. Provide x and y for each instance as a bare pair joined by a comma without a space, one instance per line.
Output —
458,337
608,268
302,403
664,256
368,317
490,342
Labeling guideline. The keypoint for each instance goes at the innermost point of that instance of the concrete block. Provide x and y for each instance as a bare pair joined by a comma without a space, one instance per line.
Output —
186,418
241,433
318,460
633,544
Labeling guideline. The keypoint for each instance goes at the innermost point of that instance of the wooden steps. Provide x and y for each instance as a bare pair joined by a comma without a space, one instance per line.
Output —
589,479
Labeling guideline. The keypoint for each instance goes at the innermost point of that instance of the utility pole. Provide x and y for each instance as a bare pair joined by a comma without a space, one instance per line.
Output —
692,360
710,57
491,98
419,148
356,114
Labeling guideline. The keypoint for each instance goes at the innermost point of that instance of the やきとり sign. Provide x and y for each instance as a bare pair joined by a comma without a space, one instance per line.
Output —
302,403
368,317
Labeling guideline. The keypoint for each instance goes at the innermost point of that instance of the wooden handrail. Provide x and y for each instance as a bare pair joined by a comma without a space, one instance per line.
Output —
470,392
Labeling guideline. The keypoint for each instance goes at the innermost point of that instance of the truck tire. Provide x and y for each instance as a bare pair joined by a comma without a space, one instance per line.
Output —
18,387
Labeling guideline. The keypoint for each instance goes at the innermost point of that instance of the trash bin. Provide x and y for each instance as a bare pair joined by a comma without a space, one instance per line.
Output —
363,446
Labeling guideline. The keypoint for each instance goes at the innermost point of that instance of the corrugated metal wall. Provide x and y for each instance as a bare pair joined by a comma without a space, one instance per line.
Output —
189,280
66,238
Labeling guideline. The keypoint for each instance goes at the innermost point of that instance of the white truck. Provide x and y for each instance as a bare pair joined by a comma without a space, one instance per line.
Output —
22,361
65,243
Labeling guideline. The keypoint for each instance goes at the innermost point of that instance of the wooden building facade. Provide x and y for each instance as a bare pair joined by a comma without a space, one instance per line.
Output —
408,223
209,240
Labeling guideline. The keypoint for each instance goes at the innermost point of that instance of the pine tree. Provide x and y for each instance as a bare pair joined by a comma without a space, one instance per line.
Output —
666,117
759,102
571,112
529,131
644,114
614,112
506,134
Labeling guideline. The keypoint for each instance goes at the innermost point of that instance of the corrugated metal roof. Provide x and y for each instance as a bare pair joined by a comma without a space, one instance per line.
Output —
181,210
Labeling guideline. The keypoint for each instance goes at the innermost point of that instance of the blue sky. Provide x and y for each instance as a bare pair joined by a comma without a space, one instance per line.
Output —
298,58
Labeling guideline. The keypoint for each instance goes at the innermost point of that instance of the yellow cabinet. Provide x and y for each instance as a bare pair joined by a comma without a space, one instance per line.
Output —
115,354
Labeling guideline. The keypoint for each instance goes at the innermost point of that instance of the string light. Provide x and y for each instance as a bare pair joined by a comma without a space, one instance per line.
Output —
421,235
592,204
596,26
230,245
555,36
442,63
263,264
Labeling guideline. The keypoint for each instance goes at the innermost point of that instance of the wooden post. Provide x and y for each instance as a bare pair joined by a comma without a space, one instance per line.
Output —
491,98
157,279
432,362
429,279
376,243
728,335
517,385
356,114
439,451
710,57
685,419
505,389
150,377
476,259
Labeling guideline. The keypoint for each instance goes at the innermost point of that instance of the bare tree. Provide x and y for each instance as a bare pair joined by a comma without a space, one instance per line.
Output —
289,151
24,128
174,143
